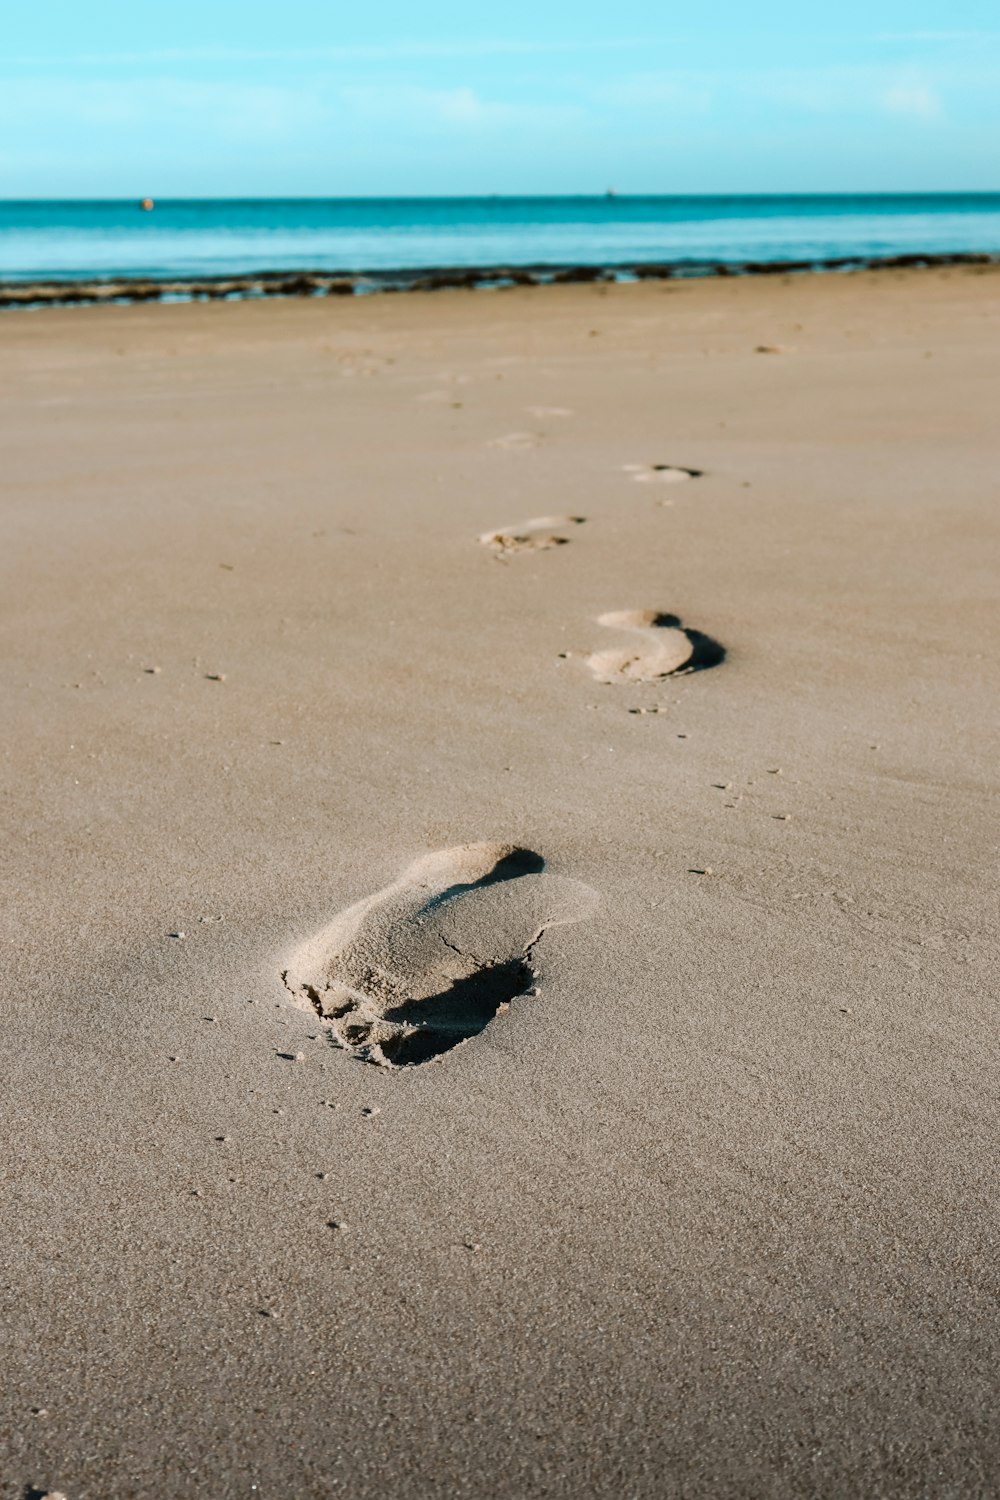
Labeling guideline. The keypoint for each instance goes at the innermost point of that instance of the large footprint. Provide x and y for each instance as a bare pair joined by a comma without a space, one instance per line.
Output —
660,645
529,536
428,962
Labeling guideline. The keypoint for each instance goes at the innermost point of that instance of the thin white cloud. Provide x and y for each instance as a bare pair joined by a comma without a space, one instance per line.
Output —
913,100
937,36
679,91
231,113
324,106
226,111
403,51
422,107
833,91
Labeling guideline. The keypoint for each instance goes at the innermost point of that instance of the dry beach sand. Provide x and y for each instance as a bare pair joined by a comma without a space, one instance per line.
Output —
499,931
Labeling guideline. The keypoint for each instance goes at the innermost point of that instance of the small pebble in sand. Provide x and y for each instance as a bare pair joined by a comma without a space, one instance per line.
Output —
371,1109
845,1010
39,1411
322,1176
211,1019
55,1495
152,671
196,1192
774,770
722,786
336,1223
472,1245
781,817
706,870
222,1137
215,676
269,1312
174,1058
177,934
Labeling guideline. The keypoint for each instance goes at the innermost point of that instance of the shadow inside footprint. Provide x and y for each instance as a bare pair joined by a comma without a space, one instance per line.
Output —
510,866
464,1009
427,963
705,652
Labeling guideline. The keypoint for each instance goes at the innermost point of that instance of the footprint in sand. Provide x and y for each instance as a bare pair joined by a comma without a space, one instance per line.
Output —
660,473
660,646
529,536
428,962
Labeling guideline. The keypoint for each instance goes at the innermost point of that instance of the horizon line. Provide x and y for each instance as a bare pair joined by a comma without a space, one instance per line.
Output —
610,195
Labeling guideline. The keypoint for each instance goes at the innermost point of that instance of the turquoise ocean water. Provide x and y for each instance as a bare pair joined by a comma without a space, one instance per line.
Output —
87,240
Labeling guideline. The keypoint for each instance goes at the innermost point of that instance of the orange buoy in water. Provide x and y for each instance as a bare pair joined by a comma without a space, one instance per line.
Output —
146,205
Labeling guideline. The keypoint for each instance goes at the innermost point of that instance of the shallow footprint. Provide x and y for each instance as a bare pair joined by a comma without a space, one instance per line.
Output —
529,536
660,473
661,646
428,962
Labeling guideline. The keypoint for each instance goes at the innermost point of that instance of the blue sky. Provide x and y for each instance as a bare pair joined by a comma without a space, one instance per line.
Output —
253,99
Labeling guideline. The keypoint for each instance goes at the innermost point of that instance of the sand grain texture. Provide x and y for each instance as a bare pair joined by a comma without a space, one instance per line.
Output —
714,1212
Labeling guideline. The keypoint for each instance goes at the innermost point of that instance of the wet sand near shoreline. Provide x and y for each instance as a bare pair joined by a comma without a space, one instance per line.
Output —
499,904
121,290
